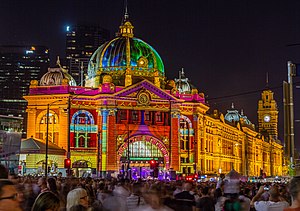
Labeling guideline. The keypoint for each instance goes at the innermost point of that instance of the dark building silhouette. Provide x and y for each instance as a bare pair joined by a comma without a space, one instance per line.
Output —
18,66
81,42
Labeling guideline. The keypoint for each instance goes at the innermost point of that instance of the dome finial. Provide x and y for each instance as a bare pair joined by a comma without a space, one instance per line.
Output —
126,15
182,73
126,28
232,105
242,112
58,61
59,65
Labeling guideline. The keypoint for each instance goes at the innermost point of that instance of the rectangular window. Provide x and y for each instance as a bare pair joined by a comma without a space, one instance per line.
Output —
158,117
147,116
135,115
123,114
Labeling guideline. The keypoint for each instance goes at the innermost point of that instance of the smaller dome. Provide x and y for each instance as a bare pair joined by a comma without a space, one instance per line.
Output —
182,84
57,76
234,116
245,118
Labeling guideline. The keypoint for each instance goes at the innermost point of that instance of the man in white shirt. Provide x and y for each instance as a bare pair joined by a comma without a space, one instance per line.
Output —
275,202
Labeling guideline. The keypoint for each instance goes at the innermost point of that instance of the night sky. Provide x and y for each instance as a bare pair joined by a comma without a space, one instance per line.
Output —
226,47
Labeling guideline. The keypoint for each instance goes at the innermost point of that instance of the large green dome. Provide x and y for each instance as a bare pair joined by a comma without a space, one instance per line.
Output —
125,53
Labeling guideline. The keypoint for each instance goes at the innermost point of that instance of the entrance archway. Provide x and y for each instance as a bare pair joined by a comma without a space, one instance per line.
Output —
144,148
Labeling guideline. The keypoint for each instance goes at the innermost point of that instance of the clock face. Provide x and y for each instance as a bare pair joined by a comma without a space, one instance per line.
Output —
267,118
143,98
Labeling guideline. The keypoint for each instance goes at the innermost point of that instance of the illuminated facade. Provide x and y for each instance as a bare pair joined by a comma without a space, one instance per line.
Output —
129,112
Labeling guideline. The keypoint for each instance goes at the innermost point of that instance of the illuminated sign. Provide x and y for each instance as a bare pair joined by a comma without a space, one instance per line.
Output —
29,51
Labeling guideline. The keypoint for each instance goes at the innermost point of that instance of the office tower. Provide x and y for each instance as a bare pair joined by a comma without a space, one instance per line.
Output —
81,42
18,66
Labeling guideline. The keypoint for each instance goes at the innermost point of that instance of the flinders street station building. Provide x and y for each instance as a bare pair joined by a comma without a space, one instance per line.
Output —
129,114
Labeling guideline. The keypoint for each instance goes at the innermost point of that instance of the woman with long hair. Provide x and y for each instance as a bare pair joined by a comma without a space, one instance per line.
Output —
46,201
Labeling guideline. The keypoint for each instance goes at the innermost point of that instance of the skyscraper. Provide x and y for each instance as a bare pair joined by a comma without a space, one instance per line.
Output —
81,42
18,66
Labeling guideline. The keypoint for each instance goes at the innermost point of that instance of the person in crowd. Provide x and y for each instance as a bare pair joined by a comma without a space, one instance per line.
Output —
178,189
51,185
42,183
205,203
77,196
89,189
220,182
8,196
275,202
117,202
244,199
136,199
78,207
3,172
46,201
154,201
168,197
185,200
219,199
294,189
29,195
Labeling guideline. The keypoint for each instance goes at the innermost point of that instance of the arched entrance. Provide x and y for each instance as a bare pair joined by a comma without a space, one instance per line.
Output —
52,167
82,168
139,150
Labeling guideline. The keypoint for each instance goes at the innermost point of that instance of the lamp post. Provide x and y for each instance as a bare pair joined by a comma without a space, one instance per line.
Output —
47,138
128,154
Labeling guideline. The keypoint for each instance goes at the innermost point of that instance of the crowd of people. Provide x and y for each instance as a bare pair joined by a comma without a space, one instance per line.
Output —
75,194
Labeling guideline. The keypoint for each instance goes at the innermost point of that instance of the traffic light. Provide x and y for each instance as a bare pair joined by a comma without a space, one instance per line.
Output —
67,163
152,164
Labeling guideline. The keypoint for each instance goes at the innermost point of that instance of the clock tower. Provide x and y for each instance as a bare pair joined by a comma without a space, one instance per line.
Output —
268,114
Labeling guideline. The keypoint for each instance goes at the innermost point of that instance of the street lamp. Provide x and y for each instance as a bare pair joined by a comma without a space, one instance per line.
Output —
128,154
47,134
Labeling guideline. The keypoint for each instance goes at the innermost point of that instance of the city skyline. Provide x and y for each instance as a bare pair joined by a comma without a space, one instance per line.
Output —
225,48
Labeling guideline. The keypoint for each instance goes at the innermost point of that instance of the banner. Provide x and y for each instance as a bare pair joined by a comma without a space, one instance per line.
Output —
10,143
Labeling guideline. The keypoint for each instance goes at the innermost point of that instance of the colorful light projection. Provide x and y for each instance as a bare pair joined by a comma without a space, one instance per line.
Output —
83,126
104,113
143,147
114,56
53,133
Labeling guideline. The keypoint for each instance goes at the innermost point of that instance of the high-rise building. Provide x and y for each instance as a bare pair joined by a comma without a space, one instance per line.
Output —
81,42
18,66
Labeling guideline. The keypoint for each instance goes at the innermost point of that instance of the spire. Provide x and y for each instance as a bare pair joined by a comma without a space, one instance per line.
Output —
126,28
126,15
242,112
59,65
232,105
182,73
267,80
58,61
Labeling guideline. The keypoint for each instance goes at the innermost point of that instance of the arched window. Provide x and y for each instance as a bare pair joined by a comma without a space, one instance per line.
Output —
186,134
53,126
82,126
